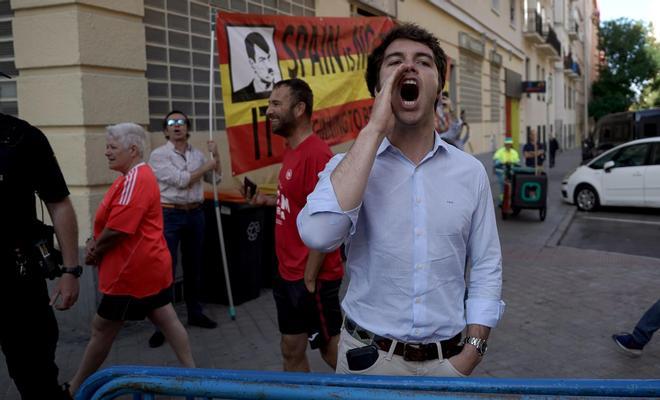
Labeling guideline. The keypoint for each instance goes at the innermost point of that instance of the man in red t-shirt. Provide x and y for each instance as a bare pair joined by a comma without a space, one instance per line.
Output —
307,291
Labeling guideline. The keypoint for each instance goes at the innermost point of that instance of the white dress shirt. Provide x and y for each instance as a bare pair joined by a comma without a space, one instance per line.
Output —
173,170
408,241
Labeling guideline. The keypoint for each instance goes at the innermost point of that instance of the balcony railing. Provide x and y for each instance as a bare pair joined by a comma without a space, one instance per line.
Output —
573,29
568,61
571,67
553,41
551,46
533,27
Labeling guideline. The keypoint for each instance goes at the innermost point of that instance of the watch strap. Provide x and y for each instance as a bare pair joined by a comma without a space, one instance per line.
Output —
75,271
480,344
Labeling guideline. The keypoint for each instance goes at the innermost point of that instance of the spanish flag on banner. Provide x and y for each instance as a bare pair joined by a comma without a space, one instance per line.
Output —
330,54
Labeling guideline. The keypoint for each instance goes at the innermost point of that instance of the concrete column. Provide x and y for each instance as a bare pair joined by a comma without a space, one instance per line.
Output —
81,67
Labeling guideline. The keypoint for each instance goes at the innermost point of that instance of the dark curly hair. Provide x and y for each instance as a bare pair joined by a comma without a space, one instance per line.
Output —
411,32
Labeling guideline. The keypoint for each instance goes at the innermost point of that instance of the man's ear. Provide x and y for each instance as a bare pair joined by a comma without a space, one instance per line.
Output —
299,109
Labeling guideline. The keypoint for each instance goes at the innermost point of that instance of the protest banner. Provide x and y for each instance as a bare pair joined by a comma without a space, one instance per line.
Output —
330,54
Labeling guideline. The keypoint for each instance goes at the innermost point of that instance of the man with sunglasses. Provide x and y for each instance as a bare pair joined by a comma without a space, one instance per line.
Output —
180,168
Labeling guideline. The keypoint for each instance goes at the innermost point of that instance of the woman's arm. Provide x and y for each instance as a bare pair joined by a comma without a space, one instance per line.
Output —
97,248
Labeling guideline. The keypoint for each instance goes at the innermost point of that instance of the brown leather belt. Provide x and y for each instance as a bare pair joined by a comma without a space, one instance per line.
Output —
185,207
409,351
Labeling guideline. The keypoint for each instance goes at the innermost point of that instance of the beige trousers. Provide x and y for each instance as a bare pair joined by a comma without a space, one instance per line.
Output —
391,364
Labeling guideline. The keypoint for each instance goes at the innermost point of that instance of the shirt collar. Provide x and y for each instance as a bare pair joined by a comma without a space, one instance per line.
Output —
437,144
136,166
170,146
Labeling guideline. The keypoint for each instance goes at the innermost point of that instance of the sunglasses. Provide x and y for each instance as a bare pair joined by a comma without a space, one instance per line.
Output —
172,122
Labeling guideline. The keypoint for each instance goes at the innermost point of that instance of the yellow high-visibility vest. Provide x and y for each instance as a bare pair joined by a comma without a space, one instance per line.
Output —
504,156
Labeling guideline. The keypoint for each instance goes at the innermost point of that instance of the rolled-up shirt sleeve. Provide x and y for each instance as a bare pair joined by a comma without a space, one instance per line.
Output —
322,224
484,305
166,172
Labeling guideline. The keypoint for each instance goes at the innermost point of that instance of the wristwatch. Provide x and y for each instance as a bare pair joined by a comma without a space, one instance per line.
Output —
75,271
480,344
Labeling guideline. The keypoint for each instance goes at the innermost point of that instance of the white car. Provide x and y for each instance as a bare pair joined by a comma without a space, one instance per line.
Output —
627,175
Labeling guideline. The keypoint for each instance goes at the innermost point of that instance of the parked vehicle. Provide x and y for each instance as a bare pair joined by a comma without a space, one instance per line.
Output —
627,175
614,129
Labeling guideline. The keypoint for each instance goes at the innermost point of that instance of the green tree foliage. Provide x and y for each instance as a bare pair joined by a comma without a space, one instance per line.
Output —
630,72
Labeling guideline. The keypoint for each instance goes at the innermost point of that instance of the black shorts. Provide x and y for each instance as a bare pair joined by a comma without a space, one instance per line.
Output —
129,308
299,311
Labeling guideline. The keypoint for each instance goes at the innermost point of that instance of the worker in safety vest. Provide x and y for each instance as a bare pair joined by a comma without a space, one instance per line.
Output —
503,156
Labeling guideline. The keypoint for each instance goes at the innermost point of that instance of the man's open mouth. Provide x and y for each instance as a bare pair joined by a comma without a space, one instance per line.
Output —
409,91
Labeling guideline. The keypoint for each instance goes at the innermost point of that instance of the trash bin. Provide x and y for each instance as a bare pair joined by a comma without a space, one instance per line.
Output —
269,257
530,191
242,227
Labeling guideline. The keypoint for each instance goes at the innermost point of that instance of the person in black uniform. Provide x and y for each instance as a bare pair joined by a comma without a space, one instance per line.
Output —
29,332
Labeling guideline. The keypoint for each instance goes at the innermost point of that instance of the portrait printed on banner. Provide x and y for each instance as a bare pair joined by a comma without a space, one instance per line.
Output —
253,62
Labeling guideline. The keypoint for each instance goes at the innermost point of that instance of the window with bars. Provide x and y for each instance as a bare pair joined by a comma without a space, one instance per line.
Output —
470,86
178,50
8,97
495,104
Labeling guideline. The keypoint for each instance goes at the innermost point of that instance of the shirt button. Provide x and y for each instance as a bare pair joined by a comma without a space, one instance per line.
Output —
418,300
419,266
418,231
418,199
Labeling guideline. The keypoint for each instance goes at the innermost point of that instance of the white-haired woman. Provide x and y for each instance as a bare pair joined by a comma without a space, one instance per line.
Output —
135,272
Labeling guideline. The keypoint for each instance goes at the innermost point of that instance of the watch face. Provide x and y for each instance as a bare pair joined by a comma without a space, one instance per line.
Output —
482,349
480,344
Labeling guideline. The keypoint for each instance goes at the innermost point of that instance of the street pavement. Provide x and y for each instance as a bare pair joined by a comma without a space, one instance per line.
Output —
621,230
563,304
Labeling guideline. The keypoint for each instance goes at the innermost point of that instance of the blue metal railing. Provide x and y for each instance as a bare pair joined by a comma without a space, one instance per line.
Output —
147,382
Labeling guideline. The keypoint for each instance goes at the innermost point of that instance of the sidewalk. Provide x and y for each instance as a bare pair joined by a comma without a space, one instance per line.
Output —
563,304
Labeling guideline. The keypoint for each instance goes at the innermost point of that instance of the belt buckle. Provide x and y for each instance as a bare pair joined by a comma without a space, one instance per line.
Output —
363,335
413,352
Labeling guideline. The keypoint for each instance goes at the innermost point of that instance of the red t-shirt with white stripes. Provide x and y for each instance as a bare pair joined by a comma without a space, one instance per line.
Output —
140,264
